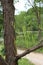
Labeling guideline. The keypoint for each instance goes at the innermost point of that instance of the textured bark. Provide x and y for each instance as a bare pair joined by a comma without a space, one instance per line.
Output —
9,37
2,61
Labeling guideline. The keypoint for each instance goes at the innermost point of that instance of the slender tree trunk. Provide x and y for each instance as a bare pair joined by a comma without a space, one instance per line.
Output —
9,37
37,13
39,21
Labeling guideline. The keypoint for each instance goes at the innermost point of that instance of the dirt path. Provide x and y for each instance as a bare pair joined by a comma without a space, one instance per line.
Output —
35,58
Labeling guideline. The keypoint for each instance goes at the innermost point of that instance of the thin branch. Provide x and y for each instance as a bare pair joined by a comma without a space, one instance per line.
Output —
30,3
40,45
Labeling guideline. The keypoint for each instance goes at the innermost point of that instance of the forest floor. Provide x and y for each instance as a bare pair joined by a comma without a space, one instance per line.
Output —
35,58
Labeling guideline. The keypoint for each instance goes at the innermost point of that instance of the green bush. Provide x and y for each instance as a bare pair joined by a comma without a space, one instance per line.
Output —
24,62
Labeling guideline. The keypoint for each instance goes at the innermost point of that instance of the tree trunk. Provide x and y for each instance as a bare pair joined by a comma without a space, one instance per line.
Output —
9,36
37,13
39,21
2,61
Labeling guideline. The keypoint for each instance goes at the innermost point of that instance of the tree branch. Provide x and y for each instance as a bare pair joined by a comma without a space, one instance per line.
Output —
30,50
2,61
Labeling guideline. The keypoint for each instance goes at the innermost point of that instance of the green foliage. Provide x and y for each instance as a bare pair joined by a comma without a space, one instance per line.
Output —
2,50
26,22
38,0
29,20
24,62
20,21
27,40
1,24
